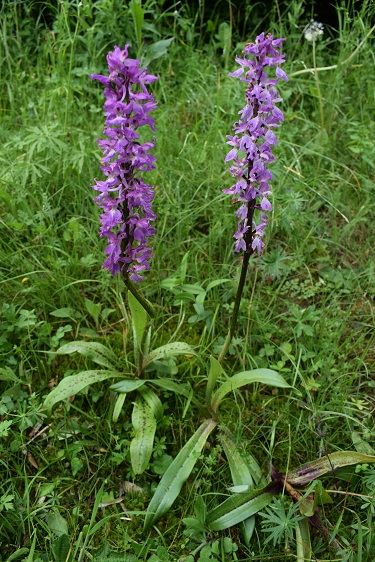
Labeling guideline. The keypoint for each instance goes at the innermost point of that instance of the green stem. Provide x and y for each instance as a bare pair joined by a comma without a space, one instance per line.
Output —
134,291
318,89
237,303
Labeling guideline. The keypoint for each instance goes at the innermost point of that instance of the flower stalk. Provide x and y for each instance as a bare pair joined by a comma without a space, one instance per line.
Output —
251,153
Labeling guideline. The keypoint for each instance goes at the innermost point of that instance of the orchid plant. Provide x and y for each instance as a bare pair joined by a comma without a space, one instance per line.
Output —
127,222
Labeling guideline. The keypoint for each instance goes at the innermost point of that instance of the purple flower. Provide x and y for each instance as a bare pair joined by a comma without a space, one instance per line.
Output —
124,197
251,151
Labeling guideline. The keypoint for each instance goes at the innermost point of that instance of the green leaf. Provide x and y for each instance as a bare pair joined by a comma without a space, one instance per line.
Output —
153,401
248,527
240,475
264,376
118,407
6,374
156,50
238,467
239,507
72,385
56,523
60,548
93,309
97,352
127,385
306,506
217,282
215,371
141,446
168,350
139,321
17,554
167,384
177,473
360,445
303,542
76,465
64,313
138,17
315,469
4,428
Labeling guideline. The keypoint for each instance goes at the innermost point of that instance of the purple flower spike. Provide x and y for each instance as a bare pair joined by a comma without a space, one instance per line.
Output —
251,146
124,197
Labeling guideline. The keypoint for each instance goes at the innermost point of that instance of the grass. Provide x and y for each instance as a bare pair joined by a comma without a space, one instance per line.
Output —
307,310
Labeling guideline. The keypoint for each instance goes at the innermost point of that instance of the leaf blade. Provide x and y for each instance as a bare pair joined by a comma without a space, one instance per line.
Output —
70,386
177,473
315,469
141,445
139,321
95,351
168,350
240,507
264,376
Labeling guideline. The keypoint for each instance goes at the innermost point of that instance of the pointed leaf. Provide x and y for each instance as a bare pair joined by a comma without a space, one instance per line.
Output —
139,320
360,445
315,469
217,282
97,352
248,527
60,548
6,374
240,475
93,309
72,385
168,350
239,507
141,445
238,467
215,371
264,376
177,473
303,541
153,401
118,407
177,388
127,385
138,17
156,50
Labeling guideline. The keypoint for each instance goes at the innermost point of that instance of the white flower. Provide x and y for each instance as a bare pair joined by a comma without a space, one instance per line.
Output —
313,30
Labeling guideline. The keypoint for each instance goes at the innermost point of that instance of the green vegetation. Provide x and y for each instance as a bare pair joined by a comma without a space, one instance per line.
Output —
70,490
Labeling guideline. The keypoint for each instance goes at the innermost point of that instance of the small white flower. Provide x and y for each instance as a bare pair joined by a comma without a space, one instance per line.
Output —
313,30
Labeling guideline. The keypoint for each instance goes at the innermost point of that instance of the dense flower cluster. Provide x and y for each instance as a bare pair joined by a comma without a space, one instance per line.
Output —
313,30
252,143
126,199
